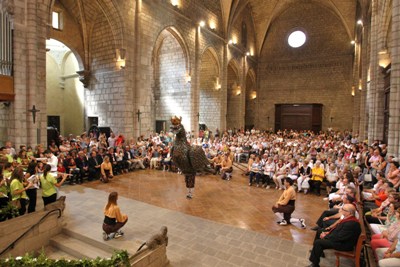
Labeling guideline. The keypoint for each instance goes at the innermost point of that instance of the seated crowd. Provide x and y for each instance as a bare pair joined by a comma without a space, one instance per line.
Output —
352,173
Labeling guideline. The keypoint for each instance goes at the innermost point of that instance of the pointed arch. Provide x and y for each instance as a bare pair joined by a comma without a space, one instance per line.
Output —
170,30
215,57
235,66
251,73
386,19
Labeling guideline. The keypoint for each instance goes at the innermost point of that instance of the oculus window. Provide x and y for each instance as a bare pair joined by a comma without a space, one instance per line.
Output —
297,39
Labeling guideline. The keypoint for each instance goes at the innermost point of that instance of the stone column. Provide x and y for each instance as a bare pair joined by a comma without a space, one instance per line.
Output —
137,97
394,112
223,91
195,86
375,94
30,28
364,76
357,93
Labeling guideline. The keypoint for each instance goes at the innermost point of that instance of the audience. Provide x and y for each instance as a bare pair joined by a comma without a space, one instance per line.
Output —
336,162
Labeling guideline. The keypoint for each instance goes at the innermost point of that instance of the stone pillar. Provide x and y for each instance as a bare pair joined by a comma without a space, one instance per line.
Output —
195,86
137,98
357,93
394,112
242,113
375,94
364,77
30,28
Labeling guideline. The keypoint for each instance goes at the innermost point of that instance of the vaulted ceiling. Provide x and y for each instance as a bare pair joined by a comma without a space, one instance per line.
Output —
265,11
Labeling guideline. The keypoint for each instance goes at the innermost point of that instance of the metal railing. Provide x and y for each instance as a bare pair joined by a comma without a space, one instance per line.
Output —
11,245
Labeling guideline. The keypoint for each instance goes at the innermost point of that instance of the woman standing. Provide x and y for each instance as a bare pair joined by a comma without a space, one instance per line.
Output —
49,184
32,192
18,191
114,220
3,190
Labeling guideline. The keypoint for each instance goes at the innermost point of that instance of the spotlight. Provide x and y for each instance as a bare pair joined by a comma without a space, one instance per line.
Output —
202,23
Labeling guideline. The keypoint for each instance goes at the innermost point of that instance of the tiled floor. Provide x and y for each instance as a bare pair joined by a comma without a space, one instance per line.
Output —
227,223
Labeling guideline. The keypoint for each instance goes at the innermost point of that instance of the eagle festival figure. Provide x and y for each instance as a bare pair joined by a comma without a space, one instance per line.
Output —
189,159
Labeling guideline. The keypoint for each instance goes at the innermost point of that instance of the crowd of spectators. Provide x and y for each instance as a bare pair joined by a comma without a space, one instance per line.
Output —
347,169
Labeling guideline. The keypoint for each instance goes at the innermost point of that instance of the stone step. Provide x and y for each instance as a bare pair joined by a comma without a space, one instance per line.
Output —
94,238
77,248
56,254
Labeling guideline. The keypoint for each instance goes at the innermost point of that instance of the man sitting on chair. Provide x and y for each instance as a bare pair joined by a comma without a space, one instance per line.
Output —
343,236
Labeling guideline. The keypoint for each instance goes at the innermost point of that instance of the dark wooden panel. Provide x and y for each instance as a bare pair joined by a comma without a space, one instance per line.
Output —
296,122
6,88
298,117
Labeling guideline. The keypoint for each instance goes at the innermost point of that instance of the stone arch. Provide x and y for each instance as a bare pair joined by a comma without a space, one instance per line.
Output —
327,4
171,82
178,36
74,51
114,18
386,18
213,52
103,7
235,67
63,89
210,89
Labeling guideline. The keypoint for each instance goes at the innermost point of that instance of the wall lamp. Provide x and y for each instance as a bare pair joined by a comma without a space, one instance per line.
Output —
120,54
360,22
202,23
175,3
188,78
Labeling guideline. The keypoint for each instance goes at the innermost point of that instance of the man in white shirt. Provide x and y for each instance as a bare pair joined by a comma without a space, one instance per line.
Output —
51,160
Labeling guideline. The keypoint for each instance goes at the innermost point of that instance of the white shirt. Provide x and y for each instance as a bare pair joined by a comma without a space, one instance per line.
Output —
53,162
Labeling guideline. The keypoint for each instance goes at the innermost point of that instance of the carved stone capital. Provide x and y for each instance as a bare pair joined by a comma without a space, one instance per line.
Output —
84,77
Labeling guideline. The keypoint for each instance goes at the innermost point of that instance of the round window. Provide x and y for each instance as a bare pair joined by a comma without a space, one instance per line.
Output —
296,39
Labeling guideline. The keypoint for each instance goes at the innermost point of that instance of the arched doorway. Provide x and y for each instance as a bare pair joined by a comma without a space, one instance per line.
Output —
64,91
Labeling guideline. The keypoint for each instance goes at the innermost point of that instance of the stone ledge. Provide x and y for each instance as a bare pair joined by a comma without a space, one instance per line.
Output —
38,237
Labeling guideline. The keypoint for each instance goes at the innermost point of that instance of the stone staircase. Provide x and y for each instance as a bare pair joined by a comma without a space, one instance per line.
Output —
72,245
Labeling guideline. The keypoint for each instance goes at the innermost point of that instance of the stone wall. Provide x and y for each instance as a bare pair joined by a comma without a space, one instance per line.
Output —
172,91
210,91
320,71
107,95
38,237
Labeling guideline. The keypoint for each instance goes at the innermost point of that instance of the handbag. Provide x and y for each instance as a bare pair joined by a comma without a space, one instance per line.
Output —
367,177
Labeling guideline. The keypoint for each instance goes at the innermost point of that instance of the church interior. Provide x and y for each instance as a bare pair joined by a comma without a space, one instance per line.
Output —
128,66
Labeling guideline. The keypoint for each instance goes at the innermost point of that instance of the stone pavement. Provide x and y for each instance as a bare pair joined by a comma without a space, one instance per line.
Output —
193,241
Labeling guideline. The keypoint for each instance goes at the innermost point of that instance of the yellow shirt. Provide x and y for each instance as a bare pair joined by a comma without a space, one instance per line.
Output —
114,212
48,185
317,174
17,185
288,194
